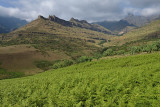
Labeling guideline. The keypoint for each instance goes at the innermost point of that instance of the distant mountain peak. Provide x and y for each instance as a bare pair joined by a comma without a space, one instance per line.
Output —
8,24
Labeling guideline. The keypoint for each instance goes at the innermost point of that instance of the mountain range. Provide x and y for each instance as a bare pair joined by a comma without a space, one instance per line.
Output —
49,39
52,39
8,24
128,23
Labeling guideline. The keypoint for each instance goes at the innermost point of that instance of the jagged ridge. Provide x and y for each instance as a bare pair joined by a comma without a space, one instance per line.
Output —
77,23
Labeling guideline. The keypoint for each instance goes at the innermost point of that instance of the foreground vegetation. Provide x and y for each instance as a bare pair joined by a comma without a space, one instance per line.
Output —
126,81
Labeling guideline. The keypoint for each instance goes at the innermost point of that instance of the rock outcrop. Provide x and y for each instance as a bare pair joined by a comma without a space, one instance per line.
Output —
60,21
77,23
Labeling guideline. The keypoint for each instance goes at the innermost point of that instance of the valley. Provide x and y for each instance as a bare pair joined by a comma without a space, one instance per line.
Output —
54,62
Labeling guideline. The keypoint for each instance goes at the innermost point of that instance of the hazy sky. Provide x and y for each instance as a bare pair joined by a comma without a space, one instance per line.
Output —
91,10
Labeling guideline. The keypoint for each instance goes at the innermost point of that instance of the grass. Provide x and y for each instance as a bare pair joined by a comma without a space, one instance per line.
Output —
126,81
4,74
21,58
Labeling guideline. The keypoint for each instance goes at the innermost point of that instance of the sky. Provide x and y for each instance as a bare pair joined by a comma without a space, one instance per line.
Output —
90,10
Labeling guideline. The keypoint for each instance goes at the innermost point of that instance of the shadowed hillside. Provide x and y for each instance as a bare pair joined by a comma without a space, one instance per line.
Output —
8,24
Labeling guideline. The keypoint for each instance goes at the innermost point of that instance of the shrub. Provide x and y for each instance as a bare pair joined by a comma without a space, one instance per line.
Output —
44,65
108,52
9,75
97,55
135,49
61,64
120,52
84,59
147,48
103,50
102,42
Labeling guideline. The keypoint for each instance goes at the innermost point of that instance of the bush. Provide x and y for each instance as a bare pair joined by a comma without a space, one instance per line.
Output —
135,49
44,65
97,55
102,42
84,59
147,48
104,49
61,64
120,52
108,52
157,45
9,75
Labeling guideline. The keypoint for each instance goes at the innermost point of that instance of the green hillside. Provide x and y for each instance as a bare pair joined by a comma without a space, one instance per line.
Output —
125,81
47,39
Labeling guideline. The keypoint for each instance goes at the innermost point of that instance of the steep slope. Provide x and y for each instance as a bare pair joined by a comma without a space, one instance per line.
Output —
51,39
85,24
127,81
8,24
137,20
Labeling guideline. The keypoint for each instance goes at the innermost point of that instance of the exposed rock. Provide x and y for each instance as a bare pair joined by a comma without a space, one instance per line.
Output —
60,21
86,25
41,17
77,23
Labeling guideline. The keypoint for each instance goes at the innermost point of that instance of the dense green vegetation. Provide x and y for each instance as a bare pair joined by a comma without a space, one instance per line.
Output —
132,48
126,81
46,65
4,74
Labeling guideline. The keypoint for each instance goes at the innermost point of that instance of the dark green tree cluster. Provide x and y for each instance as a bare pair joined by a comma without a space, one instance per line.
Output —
146,48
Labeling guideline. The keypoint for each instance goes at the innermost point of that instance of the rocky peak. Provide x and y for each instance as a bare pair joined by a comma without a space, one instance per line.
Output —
60,21
74,20
84,21
53,18
41,17
78,21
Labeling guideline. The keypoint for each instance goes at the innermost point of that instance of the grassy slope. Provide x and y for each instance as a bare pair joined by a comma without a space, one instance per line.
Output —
132,81
20,58
56,41
49,35
50,27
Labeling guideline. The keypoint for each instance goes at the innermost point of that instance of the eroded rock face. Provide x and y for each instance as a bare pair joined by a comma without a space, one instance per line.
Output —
86,25
60,21
41,17
76,22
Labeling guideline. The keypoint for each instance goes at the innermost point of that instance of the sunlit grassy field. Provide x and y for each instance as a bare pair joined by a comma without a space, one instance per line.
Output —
125,81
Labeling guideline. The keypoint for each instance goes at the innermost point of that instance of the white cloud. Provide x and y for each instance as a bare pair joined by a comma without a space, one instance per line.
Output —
150,11
91,10
8,11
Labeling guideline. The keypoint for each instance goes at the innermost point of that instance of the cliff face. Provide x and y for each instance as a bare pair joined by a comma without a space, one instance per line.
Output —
86,25
76,23
60,21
